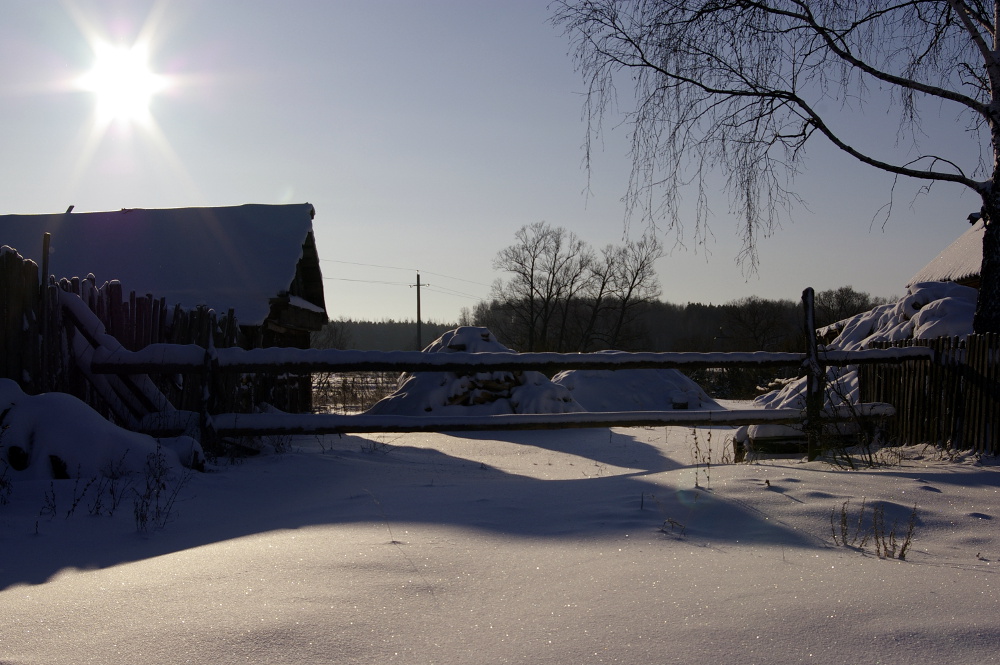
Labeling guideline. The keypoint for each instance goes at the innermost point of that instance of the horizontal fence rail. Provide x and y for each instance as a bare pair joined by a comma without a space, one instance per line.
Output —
190,358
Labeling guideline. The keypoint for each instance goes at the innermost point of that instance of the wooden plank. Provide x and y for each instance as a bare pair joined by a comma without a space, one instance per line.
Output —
993,390
972,392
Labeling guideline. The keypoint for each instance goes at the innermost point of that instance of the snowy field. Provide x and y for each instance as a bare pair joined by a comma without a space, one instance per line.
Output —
585,546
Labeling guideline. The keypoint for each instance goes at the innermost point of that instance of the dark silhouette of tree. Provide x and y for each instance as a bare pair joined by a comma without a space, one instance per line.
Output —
836,305
743,86
757,324
560,295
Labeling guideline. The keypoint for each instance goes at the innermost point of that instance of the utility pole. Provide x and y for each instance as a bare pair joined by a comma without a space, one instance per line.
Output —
420,345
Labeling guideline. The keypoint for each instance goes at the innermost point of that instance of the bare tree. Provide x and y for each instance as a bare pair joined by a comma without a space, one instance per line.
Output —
334,335
634,285
562,296
549,266
743,86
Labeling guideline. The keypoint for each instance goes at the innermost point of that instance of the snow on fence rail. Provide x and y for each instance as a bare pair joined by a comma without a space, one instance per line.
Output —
116,368
173,358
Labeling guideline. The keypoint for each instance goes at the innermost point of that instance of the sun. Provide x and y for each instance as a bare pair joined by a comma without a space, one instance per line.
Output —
122,83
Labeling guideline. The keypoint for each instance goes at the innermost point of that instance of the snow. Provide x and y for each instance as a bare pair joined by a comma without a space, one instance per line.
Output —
628,545
531,392
87,445
927,311
634,390
586,546
481,393
225,257
960,260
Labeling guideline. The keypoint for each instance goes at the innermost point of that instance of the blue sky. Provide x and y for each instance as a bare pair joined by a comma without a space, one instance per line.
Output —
425,133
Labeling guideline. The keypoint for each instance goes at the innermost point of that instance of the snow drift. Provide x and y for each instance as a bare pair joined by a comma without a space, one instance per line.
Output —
634,390
58,435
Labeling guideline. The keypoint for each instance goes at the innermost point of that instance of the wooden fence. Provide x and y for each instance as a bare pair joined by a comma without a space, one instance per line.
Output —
952,399
20,325
949,395
37,336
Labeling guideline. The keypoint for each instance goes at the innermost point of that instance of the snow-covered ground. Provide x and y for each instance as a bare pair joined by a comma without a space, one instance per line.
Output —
583,546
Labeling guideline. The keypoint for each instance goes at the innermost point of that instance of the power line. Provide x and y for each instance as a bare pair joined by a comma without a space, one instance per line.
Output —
365,281
376,265
370,265
435,289
460,279
450,292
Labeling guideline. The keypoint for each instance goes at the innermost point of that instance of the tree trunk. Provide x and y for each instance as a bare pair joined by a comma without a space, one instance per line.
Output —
988,305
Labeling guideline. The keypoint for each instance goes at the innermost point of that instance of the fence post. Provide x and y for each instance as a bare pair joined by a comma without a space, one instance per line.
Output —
815,376
210,369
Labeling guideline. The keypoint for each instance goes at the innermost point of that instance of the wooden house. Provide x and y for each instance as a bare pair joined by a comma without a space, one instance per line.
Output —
258,260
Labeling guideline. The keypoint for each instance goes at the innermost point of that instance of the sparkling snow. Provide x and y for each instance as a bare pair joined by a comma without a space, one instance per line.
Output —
628,545
587,546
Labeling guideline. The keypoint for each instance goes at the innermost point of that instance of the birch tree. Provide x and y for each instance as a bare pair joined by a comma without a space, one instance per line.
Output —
743,87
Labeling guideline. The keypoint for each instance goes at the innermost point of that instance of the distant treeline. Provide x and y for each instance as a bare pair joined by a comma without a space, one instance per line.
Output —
746,324
387,335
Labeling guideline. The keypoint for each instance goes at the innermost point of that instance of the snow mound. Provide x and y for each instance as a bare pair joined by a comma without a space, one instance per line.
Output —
58,435
634,390
474,393
927,311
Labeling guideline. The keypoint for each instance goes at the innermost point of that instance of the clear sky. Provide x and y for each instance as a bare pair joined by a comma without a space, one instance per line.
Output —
424,132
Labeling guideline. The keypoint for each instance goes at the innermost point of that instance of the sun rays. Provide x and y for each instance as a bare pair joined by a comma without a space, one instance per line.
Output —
122,83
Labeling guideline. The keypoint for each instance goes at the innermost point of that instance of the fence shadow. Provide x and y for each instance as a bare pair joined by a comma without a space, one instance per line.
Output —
362,492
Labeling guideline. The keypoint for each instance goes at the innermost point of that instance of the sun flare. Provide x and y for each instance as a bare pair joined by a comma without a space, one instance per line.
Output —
122,83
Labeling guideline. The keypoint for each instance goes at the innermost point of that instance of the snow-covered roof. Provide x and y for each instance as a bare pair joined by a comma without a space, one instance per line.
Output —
236,257
960,261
